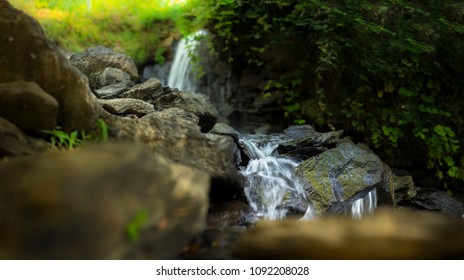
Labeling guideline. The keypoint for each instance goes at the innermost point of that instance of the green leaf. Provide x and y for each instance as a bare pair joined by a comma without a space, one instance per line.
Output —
440,130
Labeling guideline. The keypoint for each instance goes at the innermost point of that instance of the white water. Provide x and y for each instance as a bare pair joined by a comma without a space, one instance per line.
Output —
270,180
364,206
181,74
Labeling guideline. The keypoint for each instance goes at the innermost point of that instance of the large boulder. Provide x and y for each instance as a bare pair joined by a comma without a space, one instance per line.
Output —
197,103
179,141
113,201
386,235
93,62
336,178
28,106
13,142
27,55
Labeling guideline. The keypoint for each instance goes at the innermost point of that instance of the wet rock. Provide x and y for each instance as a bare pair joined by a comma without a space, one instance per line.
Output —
386,235
197,103
122,106
177,140
395,189
234,213
434,200
148,91
113,201
339,176
26,105
111,76
308,142
13,142
213,244
175,113
93,62
27,55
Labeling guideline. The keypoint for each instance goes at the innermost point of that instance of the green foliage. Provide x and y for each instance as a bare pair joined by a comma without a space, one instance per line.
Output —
389,69
136,224
140,29
61,140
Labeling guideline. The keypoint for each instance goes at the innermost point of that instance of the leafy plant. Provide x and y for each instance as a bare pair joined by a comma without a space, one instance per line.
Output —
136,224
388,70
68,141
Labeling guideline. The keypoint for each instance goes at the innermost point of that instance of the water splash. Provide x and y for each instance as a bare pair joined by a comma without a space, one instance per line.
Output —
365,205
181,74
270,180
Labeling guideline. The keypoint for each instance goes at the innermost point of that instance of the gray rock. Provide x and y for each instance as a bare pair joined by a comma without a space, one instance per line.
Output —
113,91
197,103
435,200
177,140
339,176
27,55
26,105
93,61
386,235
307,141
225,129
113,201
395,189
111,76
175,113
148,91
229,214
13,142
123,106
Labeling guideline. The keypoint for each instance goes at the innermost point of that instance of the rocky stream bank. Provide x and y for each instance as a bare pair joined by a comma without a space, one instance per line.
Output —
167,183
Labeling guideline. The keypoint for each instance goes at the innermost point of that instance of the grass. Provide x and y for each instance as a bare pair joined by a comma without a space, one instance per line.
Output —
141,29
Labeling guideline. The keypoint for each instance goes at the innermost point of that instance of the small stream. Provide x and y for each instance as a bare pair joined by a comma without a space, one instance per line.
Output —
271,186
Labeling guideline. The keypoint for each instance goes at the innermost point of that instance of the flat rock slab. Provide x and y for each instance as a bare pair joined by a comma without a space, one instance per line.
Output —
122,106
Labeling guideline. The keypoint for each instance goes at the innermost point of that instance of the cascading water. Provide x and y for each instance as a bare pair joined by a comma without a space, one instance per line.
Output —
272,188
181,75
270,180
365,205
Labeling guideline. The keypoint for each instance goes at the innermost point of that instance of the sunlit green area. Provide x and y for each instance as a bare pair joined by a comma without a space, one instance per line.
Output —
141,29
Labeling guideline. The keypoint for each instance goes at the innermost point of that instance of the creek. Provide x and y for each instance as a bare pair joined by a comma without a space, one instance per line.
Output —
271,186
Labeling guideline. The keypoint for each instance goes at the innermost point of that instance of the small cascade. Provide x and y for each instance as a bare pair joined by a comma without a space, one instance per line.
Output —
181,74
364,206
270,180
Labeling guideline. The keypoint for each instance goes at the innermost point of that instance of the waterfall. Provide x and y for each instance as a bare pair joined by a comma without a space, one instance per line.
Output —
272,187
181,74
365,205
270,182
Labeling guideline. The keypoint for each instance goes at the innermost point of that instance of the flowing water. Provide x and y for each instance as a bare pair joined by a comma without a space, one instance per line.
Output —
181,74
271,186
270,182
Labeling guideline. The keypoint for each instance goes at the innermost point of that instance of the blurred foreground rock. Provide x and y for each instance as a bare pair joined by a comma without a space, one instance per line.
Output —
27,55
386,235
112,201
